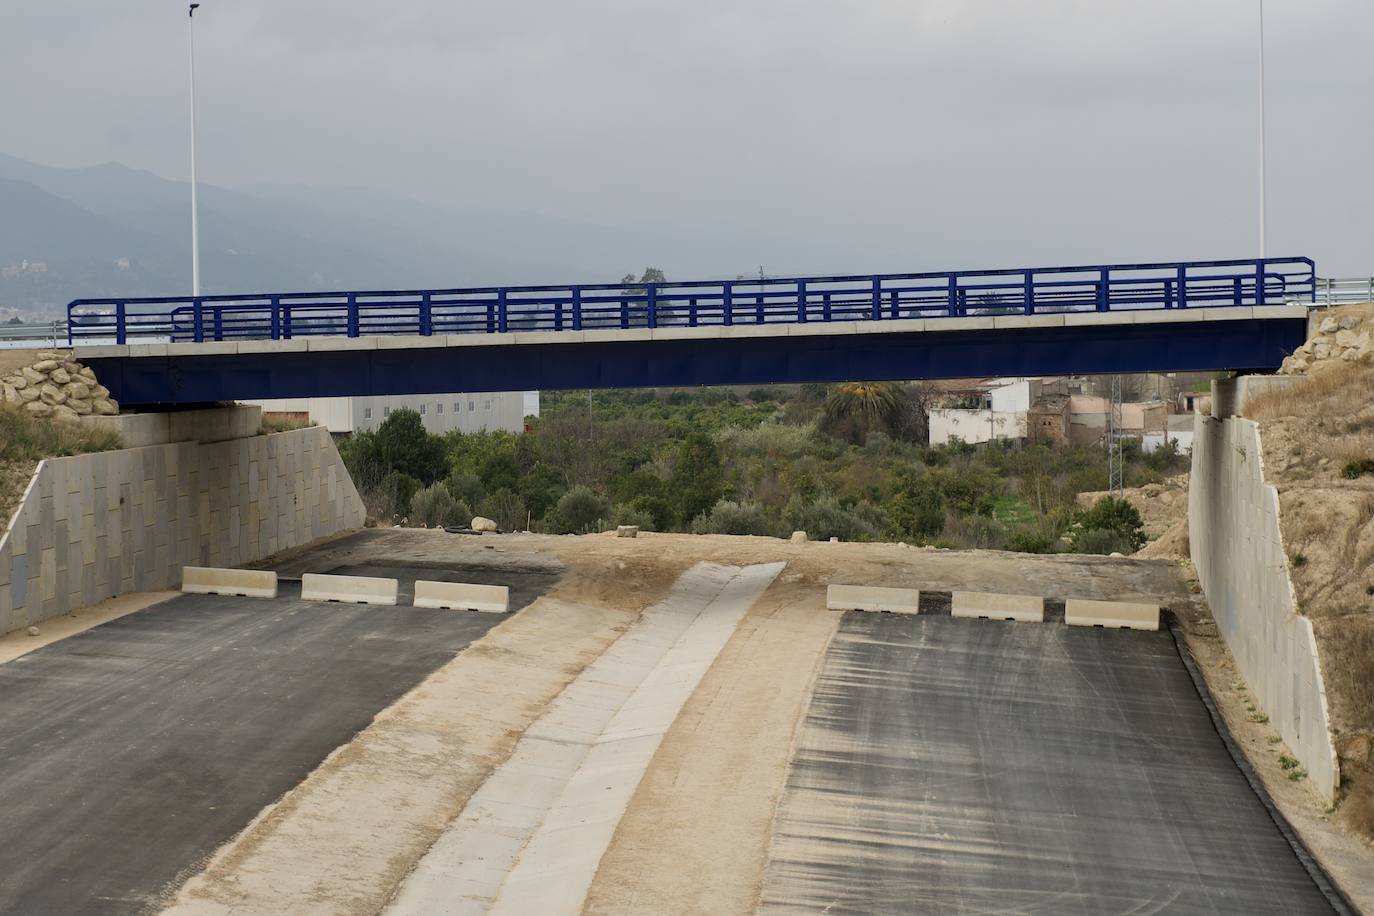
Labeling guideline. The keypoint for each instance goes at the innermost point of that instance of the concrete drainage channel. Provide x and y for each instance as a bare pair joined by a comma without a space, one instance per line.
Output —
530,839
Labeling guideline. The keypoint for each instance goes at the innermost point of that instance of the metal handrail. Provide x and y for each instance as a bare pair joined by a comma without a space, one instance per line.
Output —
792,300
1344,290
54,331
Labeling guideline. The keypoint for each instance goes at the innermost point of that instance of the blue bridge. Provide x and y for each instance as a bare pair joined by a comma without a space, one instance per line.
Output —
1208,315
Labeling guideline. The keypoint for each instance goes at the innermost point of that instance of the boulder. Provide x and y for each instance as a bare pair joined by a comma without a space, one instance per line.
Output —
59,376
11,394
80,405
1350,355
18,381
1329,325
627,531
799,537
38,409
480,523
51,394
1346,338
46,365
78,390
72,367
105,407
28,394
34,376
1350,322
87,373
99,391
1321,351
64,414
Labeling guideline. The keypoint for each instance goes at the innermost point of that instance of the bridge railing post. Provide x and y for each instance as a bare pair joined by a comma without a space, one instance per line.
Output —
353,324
876,307
1104,286
727,302
577,308
1168,294
274,310
1183,286
198,320
953,295
825,306
692,312
801,301
286,321
502,311
426,315
1028,293
219,321
121,329
1259,282
651,303
1237,294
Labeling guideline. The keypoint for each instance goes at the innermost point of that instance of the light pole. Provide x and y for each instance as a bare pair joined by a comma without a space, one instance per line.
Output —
195,216
1263,214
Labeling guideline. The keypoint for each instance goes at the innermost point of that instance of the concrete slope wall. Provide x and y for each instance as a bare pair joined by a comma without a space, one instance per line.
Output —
94,526
1237,548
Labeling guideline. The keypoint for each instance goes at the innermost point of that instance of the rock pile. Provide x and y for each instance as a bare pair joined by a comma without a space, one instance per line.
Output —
57,386
1337,339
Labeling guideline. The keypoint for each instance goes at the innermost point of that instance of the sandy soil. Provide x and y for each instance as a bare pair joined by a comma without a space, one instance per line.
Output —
706,804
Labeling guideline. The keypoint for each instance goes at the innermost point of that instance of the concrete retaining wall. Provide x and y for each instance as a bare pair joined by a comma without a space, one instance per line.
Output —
1237,548
94,526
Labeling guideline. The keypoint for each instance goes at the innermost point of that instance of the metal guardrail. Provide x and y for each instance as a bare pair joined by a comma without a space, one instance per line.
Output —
1344,290
52,333
795,300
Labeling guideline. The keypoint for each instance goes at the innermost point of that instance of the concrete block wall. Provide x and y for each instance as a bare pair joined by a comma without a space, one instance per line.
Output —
94,526
1237,547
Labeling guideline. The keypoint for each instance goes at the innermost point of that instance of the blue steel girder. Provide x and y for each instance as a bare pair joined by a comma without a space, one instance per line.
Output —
1256,344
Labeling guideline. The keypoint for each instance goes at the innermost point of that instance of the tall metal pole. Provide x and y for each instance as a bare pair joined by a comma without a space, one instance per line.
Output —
195,215
1263,214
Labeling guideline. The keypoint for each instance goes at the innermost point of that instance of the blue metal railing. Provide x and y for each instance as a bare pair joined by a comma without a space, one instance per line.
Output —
876,297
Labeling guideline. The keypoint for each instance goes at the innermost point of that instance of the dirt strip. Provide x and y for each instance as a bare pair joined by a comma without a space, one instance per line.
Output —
695,837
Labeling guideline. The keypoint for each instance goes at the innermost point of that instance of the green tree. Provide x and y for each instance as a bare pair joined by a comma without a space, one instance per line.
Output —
403,444
1117,517
580,509
435,507
698,481
917,508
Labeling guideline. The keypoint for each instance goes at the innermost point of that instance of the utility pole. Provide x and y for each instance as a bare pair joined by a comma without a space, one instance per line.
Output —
195,215
1263,177
1115,470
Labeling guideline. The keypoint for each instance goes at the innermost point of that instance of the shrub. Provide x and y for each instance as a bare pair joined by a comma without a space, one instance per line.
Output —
403,444
728,517
659,509
435,507
765,394
698,480
974,531
1116,515
506,509
917,507
1032,540
392,496
629,515
580,509
1101,541
1354,469
826,518
466,487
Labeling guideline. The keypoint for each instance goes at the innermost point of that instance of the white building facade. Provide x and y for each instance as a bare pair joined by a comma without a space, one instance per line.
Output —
440,413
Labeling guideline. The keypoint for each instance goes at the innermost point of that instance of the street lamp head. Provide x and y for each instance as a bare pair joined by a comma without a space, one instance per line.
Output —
194,7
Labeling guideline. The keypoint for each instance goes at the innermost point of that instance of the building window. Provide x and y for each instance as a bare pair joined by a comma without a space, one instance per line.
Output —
472,405
367,413
439,408
486,405
386,411
423,408
457,407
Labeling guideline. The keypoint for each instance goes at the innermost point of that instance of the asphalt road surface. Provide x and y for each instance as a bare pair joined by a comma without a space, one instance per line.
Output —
969,766
130,752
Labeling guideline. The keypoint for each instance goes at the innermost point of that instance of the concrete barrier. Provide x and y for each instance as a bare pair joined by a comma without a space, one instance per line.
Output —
348,589
872,598
994,606
244,583
1079,612
460,596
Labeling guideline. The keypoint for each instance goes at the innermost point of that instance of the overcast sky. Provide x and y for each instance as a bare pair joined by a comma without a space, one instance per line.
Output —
824,136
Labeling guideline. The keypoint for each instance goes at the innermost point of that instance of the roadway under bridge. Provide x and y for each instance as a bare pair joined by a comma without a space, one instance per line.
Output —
1200,316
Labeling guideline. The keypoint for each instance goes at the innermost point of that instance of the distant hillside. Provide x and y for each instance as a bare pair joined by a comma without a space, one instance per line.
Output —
111,230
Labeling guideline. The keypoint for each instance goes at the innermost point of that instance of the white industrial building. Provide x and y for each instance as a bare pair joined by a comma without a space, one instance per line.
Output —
440,413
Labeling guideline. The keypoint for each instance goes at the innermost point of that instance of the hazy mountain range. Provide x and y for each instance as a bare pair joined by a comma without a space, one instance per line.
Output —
110,230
